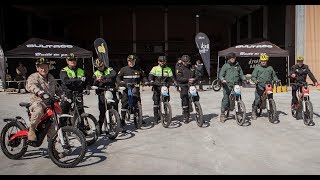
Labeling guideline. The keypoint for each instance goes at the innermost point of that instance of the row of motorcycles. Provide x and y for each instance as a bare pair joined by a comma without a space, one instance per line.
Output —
68,146
303,105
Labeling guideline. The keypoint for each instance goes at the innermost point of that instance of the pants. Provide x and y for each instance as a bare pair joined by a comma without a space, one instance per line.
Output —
225,104
185,100
294,93
200,83
20,84
257,94
102,107
37,112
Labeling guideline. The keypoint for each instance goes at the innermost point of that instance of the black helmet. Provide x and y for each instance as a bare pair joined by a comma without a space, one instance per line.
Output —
231,55
162,58
131,57
42,61
185,58
71,57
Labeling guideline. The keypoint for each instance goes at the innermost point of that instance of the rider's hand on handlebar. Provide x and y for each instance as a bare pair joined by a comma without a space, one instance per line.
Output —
43,95
83,79
293,75
316,84
191,80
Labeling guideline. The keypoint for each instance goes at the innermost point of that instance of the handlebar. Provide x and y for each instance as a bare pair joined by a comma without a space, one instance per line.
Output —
302,84
103,88
161,84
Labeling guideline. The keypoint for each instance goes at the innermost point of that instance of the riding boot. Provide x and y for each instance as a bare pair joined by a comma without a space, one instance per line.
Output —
100,125
254,112
122,121
222,116
156,114
32,133
186,115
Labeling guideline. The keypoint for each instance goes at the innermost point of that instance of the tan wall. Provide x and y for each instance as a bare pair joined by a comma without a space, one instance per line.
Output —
312,39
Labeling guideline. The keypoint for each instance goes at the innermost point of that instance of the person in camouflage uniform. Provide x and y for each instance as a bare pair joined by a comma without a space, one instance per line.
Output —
42,85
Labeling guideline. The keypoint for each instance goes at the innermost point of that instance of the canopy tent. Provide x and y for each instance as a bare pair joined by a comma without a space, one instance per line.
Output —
35,48
254,50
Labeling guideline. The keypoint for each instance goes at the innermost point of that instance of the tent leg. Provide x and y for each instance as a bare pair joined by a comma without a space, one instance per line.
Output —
218,67
288,70
92,64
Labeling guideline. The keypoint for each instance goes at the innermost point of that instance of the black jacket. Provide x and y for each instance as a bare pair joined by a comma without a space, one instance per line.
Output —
301,73
71,84
184,73
131,75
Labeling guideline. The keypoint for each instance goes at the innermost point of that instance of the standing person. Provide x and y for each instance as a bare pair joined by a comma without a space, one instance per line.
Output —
159,74
185,75
231,73
130,74
72,79
104,77
21,75
260,75
200,70
41,85
299,74
178,65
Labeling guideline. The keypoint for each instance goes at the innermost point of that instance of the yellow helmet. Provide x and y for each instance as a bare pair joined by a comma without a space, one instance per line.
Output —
98,63
300,58
264,57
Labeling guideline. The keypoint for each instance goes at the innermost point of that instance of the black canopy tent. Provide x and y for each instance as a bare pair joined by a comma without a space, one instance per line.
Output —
35,48
254,50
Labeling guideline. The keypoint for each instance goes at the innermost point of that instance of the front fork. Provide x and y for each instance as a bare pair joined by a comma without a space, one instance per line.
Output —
59,128
107,125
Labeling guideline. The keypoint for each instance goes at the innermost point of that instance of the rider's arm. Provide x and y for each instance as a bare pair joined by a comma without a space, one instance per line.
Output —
293,70
222,72
95,82
180,77
311,75
120,76
32,84
143,77
243,78
254,75
151,74
274,76
66,80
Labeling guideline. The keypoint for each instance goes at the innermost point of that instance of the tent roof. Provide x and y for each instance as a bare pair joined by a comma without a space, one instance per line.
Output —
35,47
254,50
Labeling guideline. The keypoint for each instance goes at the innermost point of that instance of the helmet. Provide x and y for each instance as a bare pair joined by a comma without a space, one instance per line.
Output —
264,57
131,57
98,63
162,58
185,58
71,57
42,61
231,55
300,58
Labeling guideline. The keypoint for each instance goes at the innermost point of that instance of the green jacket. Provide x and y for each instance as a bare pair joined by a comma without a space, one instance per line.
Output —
264,74
231,72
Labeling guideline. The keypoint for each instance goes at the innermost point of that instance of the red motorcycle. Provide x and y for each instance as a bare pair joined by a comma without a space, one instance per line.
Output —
66,148
303,104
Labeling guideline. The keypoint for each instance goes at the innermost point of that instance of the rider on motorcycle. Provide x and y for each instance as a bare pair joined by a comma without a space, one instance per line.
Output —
260,75
185,75
299,74
104,77
231,72
72,79
41,85
130,74
159,74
